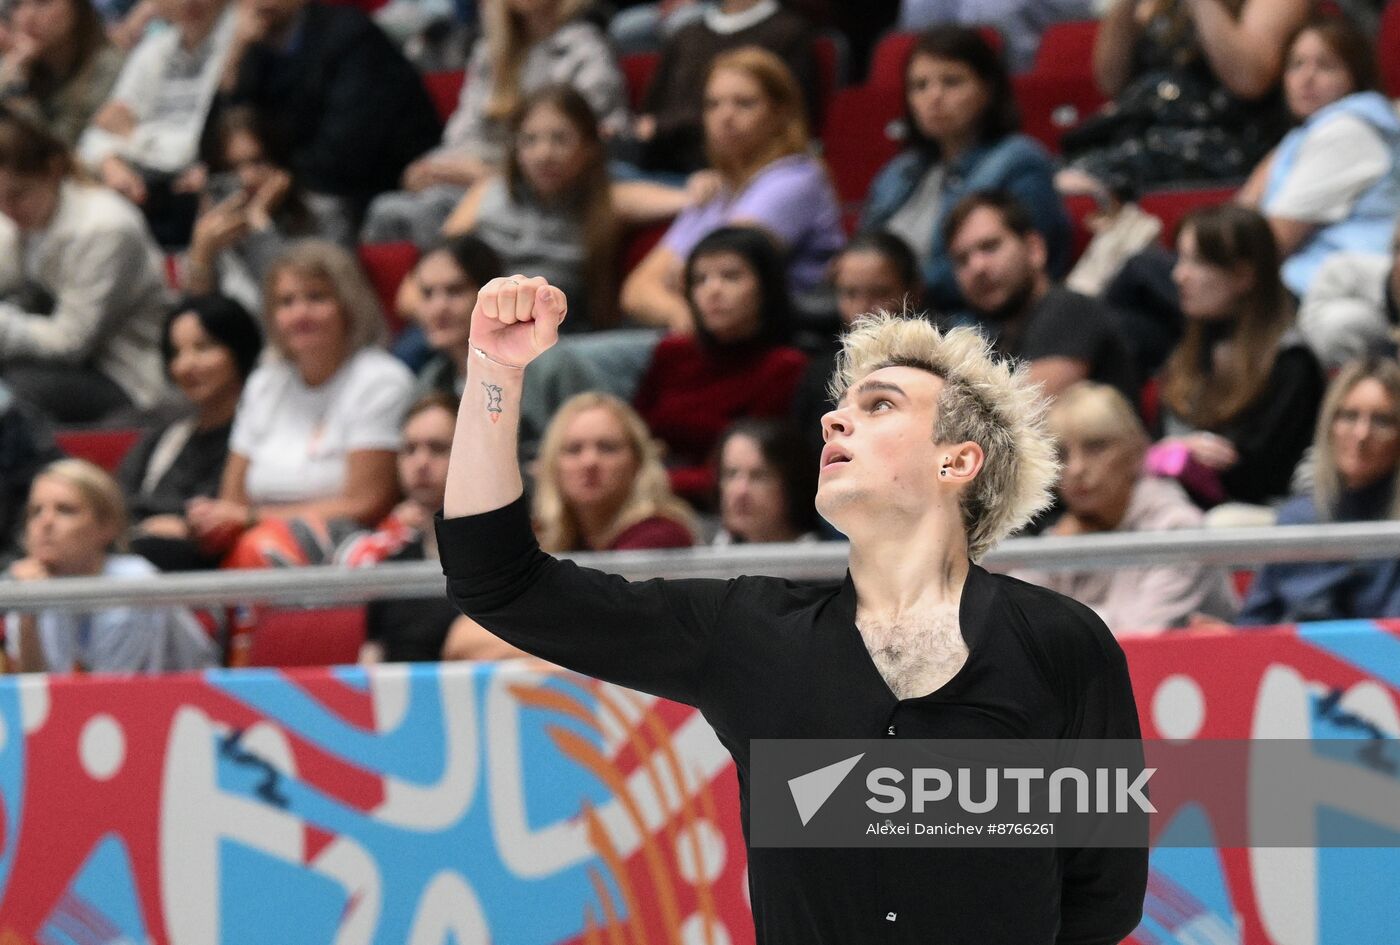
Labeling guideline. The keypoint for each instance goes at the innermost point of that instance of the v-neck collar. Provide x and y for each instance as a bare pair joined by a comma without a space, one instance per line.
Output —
974,607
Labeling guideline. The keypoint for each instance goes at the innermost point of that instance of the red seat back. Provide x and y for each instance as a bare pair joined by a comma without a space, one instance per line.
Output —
319,637
106,448
1388,46
445,89
387,265
831,55
639,242
857,140
638,70
1067,49
1052,104
1170,206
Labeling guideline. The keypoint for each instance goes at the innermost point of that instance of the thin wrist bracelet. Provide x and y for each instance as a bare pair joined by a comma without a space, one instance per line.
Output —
486,357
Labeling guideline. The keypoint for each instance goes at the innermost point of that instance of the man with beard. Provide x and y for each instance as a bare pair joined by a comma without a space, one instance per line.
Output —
1000,263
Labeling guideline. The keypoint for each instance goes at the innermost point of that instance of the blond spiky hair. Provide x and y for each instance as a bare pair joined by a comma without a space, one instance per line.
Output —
984,399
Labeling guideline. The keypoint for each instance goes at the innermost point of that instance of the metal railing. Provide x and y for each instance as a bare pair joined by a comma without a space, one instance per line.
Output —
1243,547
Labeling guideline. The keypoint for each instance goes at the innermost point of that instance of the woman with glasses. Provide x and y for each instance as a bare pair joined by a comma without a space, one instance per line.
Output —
1356,474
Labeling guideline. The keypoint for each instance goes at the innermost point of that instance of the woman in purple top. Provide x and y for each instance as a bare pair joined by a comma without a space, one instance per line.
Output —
757,138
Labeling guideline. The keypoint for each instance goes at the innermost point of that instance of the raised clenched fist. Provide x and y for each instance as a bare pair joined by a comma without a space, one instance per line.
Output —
516,319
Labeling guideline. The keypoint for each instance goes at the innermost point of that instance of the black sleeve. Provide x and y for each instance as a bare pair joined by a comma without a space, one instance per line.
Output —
1271,436
1103,889
654,636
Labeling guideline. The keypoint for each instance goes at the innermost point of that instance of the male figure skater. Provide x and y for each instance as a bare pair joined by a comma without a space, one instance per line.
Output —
935,452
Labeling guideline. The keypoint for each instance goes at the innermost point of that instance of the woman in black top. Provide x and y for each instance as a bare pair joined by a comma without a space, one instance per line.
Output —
210,345
1241,391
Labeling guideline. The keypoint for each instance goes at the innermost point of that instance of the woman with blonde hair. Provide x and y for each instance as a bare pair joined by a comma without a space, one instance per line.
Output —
758,144
315,436
601,485
1356,478
527,44
75,526
1102,489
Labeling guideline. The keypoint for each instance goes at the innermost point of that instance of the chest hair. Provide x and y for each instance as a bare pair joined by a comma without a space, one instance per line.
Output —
915,655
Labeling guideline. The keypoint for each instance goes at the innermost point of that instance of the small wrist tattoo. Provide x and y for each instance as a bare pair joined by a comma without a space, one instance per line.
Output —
493,400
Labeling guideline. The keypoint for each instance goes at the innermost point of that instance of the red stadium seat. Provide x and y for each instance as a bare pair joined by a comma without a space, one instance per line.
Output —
106,448
860,137
887,62
1388,46
638,70
1170,206
445,89
387,265
639,242
832,56
1052,104
320,637
1067,50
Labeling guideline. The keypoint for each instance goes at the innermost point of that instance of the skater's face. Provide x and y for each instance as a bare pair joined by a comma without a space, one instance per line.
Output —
880,454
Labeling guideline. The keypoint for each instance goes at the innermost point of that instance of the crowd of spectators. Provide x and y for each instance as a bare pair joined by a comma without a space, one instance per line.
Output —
187,188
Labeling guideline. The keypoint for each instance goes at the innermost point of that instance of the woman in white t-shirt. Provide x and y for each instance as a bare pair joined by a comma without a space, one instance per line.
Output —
314,439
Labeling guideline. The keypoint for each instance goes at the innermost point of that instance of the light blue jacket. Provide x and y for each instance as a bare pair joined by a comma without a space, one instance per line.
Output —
1369,226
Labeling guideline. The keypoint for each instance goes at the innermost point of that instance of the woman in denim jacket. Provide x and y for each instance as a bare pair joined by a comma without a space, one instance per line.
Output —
962,132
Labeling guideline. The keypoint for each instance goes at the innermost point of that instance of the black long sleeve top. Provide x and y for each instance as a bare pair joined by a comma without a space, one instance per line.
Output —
769,658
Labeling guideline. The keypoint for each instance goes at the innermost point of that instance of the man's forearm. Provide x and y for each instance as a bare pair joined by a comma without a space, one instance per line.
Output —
484,471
